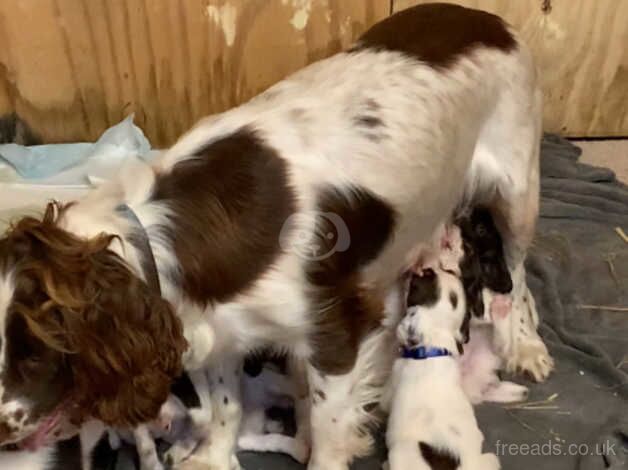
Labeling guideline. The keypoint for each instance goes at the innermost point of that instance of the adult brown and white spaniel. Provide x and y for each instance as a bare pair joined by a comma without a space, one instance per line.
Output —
279,223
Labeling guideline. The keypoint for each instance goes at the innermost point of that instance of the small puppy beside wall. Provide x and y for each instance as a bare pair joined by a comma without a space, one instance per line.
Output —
431,420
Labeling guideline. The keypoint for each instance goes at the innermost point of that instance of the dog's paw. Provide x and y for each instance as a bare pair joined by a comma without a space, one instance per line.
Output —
531,357
506,392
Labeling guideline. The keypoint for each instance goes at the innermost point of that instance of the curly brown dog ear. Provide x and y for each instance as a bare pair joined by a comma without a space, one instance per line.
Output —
113,344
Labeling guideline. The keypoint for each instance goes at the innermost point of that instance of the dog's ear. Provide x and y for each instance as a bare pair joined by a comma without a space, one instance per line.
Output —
126,346
121,341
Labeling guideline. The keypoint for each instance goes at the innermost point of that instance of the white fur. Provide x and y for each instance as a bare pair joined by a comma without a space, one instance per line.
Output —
42,459
478,367
428,402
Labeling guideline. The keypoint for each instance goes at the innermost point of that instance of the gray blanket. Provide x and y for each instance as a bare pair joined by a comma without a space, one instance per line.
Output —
578,263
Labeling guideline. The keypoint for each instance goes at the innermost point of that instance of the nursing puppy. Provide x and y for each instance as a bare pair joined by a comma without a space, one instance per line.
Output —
432,424
475,246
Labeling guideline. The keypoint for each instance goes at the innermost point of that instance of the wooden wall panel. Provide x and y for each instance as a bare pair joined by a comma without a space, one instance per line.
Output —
70,68
581,47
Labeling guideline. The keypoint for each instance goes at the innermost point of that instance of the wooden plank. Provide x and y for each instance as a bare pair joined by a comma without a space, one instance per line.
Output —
70,68
580,47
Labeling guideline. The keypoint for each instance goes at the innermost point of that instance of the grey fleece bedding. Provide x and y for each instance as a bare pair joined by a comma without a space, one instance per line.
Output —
584,425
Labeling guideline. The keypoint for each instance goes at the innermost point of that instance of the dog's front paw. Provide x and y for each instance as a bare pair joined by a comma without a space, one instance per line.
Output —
531,357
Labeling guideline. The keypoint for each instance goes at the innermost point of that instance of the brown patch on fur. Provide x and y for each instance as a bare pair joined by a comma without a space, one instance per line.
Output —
229,202
437,459
82,321
345,310
438,33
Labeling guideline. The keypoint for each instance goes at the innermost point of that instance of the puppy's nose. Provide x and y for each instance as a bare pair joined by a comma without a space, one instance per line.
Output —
412,338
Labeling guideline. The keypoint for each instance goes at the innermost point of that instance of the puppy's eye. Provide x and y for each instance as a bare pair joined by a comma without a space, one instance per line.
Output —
480,230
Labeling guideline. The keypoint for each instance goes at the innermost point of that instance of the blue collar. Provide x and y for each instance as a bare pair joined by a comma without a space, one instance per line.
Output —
423,352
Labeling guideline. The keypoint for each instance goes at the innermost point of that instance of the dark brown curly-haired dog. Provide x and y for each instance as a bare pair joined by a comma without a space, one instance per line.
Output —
84,337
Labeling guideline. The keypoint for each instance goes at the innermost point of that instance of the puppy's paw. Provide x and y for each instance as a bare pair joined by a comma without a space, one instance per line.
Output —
500,306
201,421
531,357
489,462
506,392
179,452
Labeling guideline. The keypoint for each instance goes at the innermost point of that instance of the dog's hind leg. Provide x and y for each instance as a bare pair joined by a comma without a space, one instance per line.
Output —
506,168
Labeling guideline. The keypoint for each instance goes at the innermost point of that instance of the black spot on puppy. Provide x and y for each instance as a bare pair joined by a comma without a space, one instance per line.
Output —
453,298
368,121
438,459
424,289
226,401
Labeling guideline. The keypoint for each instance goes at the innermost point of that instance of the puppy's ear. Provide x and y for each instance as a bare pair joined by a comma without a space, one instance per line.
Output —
424,289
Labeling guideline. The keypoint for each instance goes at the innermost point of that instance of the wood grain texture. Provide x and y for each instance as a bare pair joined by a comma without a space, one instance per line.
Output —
71,68
581,47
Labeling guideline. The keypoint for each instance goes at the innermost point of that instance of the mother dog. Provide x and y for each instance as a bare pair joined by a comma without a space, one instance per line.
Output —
281,222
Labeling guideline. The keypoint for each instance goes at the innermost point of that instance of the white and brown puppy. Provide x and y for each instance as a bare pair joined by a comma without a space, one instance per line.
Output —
431,419
281,222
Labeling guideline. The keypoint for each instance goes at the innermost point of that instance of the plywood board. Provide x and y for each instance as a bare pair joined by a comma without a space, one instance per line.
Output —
581,47
71,68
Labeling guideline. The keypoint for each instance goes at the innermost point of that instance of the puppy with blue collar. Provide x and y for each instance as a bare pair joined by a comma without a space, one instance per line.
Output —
432,424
